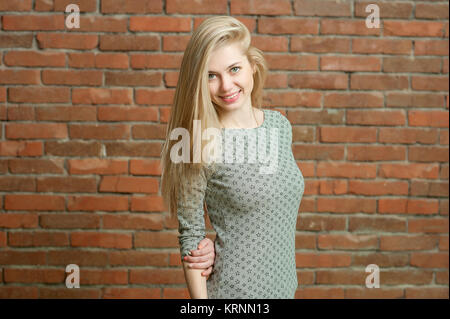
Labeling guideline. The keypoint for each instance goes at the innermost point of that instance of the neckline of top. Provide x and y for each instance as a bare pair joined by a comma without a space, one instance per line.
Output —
263,124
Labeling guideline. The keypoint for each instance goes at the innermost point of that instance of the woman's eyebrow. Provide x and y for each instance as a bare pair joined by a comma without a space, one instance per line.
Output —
228,66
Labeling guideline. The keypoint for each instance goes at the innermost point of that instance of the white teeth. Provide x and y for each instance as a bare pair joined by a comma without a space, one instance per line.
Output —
232,96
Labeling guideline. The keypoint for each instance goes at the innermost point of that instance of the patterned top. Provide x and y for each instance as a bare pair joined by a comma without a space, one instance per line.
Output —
253,212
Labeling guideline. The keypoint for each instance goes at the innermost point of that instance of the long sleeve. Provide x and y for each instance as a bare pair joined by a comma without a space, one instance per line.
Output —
191,213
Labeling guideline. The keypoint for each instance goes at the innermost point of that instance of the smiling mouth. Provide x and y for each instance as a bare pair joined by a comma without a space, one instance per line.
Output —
231,95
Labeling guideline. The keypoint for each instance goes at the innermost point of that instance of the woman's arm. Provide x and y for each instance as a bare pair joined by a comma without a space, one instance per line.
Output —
195,281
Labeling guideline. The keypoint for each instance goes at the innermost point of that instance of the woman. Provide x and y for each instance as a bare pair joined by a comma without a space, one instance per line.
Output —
253,210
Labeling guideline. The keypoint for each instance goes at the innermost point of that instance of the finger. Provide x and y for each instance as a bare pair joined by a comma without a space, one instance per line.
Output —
203,265
207,272
191,259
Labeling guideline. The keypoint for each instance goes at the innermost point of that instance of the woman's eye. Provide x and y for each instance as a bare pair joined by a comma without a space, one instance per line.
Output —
209,76
236,67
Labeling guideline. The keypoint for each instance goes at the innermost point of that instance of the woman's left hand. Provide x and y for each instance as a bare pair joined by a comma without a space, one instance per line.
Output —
203,257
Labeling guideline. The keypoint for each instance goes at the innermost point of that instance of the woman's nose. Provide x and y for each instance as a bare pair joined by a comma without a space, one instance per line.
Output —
227,84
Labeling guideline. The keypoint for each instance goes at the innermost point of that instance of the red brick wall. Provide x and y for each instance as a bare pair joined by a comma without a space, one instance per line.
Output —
83,120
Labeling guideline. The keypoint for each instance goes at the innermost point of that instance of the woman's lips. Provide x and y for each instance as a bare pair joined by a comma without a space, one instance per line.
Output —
231,100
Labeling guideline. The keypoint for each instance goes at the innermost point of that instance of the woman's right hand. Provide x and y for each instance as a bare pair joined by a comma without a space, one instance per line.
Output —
203,257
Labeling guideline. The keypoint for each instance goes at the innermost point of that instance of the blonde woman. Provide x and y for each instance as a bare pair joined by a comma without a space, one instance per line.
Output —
253,211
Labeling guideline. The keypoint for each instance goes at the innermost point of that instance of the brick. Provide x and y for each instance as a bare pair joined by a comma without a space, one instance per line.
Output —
33,22
72,77
73,148
27,58
432,11
156,61
102,240
407,135
135,78
412,242
16,5
60,5
131,6
156,239
429,83
322,260
67,41
101,24
347,242
132,293
147,149
429,189
376,153
419,65
333,8
375,117
320,44
347,134
101,96
66,113
151,132
292,62
376,224
66,184
430,100
100,132
428,154
414,28
81,60
196,6
125,184
261,7
94,203
347,170
428,118
288,99
378,82
36,166
288,26
427,225
125,114
270,44
21,148
431,47
16,40
19,76
160,24
401,10
96,166
129,43
36,131
176,42
354,99
346,27
134,221
152,97
111,61
429,260
38,94
34,202
320,81
38,239
145,167
381,46
371,188
152,203
351,64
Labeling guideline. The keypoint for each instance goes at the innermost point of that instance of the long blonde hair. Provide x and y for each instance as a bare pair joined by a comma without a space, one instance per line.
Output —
192,99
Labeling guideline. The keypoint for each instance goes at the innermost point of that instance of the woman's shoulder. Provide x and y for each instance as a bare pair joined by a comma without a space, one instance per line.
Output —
278,119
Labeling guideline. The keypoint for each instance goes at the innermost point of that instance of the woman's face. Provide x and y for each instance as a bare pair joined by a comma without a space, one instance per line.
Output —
230,72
